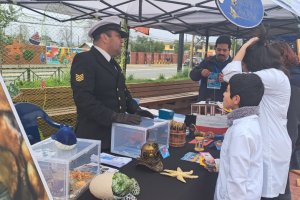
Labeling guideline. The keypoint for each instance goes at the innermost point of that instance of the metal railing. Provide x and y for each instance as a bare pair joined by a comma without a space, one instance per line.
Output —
14,74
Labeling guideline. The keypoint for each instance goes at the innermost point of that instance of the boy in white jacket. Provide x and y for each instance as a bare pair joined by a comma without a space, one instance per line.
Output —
241,160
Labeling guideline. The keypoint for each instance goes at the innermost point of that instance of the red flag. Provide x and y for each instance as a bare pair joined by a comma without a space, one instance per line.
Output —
144,30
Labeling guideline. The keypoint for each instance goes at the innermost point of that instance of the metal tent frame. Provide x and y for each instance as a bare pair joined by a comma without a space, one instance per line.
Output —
199,17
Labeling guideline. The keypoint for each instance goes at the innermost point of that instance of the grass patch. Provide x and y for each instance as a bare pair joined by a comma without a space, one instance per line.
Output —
130,77
65,80
50,82
161,77
182,75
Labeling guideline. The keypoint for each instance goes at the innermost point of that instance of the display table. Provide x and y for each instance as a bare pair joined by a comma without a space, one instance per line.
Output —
156,186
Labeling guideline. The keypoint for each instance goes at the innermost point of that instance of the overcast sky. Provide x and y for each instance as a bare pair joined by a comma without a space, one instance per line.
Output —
160,35
46,26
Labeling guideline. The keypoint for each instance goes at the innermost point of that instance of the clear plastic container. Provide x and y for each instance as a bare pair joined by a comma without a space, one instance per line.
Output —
67,173
127,140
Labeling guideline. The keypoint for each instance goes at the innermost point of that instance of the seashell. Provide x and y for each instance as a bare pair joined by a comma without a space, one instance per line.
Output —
65,139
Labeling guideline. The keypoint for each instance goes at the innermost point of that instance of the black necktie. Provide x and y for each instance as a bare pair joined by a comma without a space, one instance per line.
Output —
113,63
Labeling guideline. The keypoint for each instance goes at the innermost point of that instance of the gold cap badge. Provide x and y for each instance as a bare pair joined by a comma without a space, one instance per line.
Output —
79,77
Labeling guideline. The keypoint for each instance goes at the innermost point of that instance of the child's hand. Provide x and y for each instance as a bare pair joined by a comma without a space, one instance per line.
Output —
208,135
211,166
251,42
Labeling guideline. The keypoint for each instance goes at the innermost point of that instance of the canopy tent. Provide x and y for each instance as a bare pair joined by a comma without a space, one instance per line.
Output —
200,17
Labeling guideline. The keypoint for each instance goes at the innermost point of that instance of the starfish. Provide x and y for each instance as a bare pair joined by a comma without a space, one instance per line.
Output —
179,174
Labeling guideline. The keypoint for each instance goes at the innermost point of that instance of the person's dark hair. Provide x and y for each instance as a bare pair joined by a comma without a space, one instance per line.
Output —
262,55
249,87
223,39
96,37
289,57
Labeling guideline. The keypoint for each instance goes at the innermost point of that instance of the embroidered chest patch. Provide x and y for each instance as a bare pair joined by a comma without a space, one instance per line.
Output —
79,77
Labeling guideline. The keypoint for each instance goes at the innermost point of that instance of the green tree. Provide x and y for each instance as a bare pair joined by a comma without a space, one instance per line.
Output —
7,15
143,44
158,47
176,46
140,44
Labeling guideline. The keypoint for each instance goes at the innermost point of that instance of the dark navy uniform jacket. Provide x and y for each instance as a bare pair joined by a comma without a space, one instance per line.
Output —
212,65
98,90
293,116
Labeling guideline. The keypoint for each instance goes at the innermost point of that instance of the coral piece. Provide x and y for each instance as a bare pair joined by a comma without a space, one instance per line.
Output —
114,186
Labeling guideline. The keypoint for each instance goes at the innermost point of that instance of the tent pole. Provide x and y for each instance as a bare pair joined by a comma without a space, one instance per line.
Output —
234,49
192,52
206,45
180,52
124,50
140,10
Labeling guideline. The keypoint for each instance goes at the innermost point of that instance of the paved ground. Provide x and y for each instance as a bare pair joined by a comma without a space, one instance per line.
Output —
150,65
151,71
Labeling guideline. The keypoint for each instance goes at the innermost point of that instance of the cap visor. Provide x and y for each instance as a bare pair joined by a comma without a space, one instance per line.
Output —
123,34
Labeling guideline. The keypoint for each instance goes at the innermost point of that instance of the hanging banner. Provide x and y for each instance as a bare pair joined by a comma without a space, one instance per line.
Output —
242,13
144,30
290,5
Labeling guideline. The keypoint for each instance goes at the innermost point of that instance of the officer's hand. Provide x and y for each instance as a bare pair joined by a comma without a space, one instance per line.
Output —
144,113
205,73
126,118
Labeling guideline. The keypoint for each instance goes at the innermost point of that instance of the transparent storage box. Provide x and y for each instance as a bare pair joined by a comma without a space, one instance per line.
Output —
127,140
67,172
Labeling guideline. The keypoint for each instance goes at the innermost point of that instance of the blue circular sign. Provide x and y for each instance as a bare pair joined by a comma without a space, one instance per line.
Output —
243,13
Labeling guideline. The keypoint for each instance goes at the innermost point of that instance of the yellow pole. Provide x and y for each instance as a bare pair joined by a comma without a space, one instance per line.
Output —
124,50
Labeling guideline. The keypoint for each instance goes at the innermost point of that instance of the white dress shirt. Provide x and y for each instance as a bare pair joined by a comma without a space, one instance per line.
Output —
104,53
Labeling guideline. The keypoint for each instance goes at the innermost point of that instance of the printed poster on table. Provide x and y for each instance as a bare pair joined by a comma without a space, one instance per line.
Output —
21,177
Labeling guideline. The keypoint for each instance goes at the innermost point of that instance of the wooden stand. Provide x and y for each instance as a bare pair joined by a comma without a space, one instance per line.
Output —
205,109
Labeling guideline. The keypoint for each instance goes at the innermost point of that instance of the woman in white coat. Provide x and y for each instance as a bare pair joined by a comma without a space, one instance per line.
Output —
260,58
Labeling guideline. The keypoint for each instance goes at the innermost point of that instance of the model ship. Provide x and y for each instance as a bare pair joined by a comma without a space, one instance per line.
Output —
211,117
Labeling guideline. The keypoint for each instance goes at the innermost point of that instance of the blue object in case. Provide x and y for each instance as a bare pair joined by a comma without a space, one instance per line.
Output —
165,114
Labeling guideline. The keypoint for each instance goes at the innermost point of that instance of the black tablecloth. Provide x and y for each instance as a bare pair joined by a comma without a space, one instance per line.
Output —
155,186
